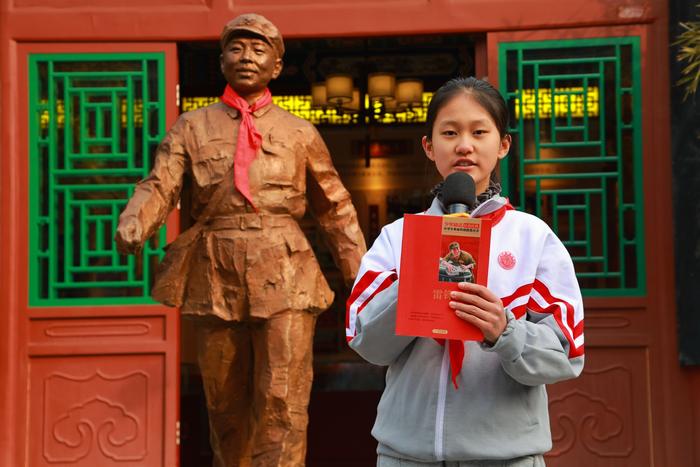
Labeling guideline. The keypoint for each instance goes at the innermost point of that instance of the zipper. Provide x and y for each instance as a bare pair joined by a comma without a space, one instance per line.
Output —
442,394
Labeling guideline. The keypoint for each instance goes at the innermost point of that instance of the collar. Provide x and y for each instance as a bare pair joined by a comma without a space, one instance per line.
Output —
234,114
494,208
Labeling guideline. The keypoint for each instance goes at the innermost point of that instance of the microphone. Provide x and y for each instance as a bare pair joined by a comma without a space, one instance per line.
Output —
459,193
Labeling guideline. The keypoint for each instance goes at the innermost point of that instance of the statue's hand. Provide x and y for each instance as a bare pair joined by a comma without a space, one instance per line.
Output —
129,235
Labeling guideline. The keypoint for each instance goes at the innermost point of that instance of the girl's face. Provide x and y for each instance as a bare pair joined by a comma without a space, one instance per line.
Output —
465,139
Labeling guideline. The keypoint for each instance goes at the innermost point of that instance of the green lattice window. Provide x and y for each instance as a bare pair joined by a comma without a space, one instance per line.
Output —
95,120
576,158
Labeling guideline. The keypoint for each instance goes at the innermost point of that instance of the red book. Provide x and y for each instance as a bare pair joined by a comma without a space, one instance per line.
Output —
438,252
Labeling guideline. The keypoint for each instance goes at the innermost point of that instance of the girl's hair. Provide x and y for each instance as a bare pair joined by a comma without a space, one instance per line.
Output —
485,94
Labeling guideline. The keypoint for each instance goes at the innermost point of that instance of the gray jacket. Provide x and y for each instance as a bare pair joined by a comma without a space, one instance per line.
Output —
500,409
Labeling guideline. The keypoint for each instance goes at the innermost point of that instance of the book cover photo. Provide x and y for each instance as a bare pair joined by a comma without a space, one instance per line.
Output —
437,253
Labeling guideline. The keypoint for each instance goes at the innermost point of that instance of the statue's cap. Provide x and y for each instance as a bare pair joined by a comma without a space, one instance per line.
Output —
454,245
256,24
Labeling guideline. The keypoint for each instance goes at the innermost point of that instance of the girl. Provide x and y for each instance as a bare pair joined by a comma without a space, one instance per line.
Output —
530,314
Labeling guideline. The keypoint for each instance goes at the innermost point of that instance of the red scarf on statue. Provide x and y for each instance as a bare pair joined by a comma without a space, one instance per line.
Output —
249,139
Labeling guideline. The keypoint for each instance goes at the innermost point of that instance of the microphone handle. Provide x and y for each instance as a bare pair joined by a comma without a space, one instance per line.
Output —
457,208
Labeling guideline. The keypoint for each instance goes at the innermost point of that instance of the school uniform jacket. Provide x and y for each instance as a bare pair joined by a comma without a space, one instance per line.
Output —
500,409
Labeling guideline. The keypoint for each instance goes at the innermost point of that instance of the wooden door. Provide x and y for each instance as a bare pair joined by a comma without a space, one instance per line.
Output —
590,156
98,358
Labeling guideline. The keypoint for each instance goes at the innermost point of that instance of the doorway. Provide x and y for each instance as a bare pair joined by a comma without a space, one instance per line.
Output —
379,158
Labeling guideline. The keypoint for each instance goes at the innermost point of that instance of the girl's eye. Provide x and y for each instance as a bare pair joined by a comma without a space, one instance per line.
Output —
449,133
480,132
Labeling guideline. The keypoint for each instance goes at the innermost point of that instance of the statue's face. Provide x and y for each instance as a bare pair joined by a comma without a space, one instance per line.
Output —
249,63
455,250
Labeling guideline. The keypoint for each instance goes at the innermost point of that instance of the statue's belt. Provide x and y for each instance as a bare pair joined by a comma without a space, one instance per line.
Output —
249,221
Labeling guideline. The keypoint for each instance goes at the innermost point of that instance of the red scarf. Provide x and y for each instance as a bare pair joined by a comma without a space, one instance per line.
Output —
456,348
249,139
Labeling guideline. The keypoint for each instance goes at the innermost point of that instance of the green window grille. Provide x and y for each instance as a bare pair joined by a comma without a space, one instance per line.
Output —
576,160
95,121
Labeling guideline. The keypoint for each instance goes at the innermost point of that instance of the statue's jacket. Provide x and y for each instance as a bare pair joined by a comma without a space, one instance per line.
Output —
248,263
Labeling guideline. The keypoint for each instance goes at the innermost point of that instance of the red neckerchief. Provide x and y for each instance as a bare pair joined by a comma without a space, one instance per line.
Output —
249,139
456,348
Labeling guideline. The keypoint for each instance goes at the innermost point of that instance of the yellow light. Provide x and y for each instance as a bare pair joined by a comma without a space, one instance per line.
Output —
301,106
390,105
339,89
194,103
409,92
137,113
137,110
571,101
318,95
381,85
354,105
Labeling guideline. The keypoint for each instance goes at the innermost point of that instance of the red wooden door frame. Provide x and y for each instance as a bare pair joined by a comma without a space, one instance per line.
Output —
23,325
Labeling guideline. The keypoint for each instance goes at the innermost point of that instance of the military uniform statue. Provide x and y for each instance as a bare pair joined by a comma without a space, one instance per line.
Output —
245,272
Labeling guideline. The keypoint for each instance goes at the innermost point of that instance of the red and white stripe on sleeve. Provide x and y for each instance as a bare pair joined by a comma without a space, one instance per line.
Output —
537,297
517,301
378,270
568,317
365,289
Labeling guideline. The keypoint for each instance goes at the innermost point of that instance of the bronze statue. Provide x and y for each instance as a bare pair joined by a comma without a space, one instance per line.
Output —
245,271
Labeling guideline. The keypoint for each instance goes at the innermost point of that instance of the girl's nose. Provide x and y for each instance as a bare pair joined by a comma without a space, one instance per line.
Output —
464,146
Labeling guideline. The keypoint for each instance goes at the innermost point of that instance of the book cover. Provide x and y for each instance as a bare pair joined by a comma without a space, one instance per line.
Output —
438,252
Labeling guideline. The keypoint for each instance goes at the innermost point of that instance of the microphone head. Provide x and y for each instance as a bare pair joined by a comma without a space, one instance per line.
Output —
459,188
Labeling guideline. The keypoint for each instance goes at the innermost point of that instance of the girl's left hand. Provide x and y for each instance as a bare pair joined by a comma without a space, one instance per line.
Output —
477,305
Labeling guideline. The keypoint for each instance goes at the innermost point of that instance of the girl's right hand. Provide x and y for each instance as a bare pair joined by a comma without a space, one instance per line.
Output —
479,306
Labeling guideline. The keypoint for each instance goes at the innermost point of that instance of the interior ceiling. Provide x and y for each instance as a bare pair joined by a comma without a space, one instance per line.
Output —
432,58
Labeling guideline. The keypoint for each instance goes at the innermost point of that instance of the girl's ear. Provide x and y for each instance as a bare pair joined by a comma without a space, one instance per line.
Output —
505,146
427,147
